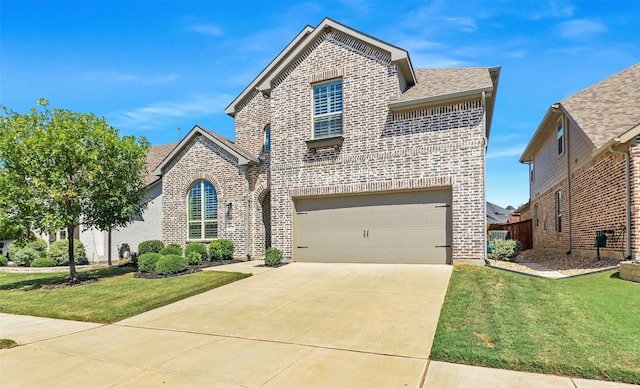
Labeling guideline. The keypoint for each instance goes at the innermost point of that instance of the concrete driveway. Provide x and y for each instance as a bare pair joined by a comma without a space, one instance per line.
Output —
303,324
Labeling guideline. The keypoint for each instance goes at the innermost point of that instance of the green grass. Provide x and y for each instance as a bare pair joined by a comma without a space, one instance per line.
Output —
6,343
587,326
115,296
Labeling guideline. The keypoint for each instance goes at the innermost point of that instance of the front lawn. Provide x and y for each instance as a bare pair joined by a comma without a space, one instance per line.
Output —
586,326
115,296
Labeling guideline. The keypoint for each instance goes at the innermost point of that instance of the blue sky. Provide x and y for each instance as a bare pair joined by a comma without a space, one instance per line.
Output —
150,67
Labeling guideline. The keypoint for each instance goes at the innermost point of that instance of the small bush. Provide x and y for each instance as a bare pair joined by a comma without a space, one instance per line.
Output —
215,250
59,252
13,248
171,249
134,257
272,257
3,261
506,249
25,256
147,261
39,245
227,249
171,264
196,247
150,246
42,262
194,258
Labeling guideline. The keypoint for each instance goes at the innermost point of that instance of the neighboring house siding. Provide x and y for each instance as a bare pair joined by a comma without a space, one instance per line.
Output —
544,233
550,167
202,159
436,147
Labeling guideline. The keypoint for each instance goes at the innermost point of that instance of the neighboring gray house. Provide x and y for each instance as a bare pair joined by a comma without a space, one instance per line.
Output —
344,152
584,162
146,227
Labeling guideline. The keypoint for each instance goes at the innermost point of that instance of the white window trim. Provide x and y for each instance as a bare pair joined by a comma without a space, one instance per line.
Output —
202,220
314,116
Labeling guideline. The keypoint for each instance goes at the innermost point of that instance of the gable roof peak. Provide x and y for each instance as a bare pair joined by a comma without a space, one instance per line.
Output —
263,83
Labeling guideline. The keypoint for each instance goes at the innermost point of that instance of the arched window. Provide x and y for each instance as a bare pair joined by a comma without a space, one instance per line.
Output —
202,211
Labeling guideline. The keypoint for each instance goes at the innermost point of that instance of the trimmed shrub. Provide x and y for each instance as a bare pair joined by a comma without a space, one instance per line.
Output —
13,248
506,249
59,252
227,249
147,261
39,245
3,261
42,262
150,246
196,247
221,249
171,264
25,256
194,258
272,257
134,257
171,249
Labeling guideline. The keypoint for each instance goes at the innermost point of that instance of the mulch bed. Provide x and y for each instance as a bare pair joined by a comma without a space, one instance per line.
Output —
569,265
67,283
190,270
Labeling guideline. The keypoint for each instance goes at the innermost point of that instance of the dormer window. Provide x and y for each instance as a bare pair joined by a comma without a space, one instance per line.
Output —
327,109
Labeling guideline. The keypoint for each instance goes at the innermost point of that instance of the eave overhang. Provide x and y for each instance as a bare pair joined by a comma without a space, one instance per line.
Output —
244,158
263,83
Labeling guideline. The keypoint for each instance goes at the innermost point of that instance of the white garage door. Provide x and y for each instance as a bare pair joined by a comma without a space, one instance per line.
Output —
397,227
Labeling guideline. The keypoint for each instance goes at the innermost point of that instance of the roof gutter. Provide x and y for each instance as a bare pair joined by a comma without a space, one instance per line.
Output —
401,106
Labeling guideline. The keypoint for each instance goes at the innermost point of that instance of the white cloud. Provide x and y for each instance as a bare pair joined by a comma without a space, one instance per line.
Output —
505,152
207,29
554,10
464,23
154,115
581,28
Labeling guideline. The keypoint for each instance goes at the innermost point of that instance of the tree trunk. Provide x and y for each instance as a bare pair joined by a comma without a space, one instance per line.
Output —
73,276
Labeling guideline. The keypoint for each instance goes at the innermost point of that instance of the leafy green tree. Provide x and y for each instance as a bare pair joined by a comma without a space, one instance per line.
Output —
61,169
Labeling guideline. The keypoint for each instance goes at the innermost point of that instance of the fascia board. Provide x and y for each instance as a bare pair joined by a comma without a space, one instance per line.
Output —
230,110
402,106
176,149
538,137
622,139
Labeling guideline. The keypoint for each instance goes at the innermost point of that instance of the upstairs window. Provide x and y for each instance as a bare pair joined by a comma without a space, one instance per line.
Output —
267,138
202,211
560,136
532,170
327,109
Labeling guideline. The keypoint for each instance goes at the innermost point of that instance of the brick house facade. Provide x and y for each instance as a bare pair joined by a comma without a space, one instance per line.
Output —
578,170
407,138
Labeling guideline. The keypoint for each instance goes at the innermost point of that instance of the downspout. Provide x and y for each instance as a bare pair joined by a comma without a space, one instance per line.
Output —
248,170
484,161
627,159
565,125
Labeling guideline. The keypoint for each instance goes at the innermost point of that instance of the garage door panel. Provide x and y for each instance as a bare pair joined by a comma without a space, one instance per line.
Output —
403,227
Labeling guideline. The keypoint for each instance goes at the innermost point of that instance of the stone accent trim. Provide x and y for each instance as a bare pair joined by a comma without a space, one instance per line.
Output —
437,111
326,75
373,187
630,271
378,156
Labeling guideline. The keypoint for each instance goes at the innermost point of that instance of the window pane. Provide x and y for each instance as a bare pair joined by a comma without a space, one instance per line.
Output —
326,126
210,201
327,98
195,230
195,202
210,229
267,138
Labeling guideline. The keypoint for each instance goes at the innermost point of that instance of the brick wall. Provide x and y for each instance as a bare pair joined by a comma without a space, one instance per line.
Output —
634,151
597,203
202,159
436,147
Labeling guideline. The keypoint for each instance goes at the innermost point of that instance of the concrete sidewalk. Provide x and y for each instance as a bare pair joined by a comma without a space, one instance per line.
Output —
299,325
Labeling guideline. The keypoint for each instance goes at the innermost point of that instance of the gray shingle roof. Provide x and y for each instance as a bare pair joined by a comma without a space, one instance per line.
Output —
438,82
609,108
155,156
